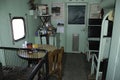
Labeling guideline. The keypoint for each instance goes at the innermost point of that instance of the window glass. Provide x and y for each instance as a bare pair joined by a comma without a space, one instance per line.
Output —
76,14
18,28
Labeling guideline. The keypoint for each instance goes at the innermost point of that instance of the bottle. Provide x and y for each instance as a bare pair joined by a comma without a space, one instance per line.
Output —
25,44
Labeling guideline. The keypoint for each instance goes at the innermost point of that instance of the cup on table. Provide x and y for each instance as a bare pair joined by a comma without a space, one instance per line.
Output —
34,45
29,45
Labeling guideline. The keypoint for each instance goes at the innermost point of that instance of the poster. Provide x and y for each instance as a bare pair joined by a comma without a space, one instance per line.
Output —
95,11
57,10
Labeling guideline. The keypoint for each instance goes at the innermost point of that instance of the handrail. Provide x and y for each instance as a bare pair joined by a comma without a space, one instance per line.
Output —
14,48
39,64
37,68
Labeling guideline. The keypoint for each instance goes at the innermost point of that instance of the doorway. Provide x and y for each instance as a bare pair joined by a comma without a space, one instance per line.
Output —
76,27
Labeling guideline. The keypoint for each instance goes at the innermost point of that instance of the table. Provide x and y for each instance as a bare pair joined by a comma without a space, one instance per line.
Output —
33,56
47,47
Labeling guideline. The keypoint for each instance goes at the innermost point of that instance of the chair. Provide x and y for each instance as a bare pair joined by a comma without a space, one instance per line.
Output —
55,63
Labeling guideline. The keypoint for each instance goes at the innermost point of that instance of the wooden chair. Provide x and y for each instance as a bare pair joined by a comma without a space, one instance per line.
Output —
55,63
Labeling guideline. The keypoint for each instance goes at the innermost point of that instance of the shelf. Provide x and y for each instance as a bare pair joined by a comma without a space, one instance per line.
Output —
94,28
94,45
94,32
94,51
94,25
47,27
44,15
95,21
94,39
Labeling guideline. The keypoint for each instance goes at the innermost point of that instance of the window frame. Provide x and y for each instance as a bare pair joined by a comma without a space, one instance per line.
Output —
13,30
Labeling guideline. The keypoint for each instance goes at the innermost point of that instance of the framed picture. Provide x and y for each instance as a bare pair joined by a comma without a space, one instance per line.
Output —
95,11
42,9
57,10
76,14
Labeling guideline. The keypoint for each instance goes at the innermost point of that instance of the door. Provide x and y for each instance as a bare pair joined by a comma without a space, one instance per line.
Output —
76,30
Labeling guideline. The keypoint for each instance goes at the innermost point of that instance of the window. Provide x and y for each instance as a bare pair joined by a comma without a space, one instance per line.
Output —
18,28
77,13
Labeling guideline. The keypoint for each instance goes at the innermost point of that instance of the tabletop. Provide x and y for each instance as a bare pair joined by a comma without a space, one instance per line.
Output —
36,54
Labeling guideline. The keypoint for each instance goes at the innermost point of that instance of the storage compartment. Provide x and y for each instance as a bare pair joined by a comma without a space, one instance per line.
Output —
95,21
94,31
94,45
110,27
103,68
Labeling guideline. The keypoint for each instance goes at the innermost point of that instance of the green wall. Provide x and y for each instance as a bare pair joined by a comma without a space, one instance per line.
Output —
66,37
18,8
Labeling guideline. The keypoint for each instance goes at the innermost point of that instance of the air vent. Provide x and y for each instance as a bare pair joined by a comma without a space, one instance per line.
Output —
75,42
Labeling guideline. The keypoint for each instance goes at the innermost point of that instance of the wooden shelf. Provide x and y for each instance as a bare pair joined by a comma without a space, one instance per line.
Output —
45,15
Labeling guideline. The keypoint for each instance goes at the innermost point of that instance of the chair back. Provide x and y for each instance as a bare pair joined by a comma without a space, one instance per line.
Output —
55,62
52,60
59,58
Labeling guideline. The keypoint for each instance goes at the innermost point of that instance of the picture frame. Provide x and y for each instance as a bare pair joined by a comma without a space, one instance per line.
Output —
42,9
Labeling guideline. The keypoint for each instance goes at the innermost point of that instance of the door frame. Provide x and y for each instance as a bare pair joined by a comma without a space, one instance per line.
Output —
82,26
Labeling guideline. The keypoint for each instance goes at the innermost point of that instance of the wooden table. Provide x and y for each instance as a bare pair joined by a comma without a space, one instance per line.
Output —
35,55
47,47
